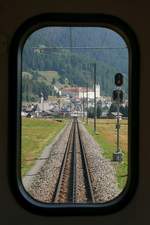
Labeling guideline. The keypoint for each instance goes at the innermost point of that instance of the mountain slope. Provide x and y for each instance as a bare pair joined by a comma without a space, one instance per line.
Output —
99,45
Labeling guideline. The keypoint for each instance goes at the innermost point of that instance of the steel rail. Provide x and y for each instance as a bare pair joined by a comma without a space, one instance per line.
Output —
71,148
72,179
74,169
89,189
63,165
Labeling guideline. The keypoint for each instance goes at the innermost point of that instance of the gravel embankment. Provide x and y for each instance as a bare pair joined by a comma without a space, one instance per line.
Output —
80,181
41,180
102,172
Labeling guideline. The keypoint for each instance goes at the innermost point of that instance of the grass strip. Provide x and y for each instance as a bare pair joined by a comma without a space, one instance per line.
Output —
36,134
105,136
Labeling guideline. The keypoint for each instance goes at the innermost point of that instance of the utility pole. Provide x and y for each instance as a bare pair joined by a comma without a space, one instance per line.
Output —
94,71
71,45
84,69
70,107
87,90
83,103
59,104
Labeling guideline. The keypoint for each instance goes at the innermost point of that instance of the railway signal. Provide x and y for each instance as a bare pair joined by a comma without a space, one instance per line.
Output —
117,97
119,79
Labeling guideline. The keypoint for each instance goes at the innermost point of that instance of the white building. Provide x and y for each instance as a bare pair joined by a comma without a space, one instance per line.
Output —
81,92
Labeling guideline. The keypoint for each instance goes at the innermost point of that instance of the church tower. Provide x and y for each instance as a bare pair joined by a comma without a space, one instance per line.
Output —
98,90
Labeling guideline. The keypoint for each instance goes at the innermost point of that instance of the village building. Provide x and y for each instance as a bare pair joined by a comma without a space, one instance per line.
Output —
81,92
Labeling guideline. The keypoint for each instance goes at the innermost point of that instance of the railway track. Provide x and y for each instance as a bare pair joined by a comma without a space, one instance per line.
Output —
74,183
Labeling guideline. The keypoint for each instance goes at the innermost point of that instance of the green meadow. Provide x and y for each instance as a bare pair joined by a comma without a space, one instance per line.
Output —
105,136
37,134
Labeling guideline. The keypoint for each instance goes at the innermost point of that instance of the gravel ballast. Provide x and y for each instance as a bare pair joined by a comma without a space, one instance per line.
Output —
40,182
102,173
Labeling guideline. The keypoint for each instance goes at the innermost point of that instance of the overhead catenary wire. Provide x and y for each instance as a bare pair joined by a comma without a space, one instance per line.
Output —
81,47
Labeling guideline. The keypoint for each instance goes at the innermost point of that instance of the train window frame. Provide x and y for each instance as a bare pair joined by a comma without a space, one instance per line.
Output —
58,19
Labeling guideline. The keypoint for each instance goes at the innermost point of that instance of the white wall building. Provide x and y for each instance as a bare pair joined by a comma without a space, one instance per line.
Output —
81,92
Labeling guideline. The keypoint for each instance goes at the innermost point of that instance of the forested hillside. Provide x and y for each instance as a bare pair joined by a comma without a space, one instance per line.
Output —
87,45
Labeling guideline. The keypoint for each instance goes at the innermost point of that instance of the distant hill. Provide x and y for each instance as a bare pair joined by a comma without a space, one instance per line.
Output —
48,77
36,83
102,46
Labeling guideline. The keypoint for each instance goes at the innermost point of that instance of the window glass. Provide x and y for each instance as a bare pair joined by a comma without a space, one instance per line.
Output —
74,115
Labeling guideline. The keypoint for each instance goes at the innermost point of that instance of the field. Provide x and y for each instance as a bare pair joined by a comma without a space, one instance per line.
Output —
106,137
36,134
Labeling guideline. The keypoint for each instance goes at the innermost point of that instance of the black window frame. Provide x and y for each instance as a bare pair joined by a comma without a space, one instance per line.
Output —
14,111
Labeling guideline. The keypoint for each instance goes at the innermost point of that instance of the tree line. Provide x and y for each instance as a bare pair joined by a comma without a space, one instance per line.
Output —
113,108
34,85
